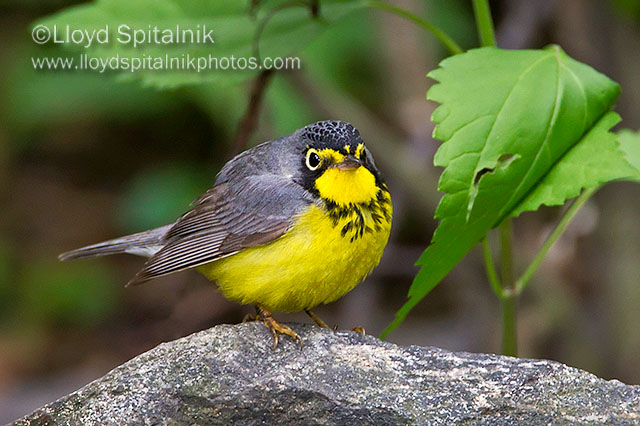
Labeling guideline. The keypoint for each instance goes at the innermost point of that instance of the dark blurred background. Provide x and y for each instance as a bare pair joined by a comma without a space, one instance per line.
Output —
85,158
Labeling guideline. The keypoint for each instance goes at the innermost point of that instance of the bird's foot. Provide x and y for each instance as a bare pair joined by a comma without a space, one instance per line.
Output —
275,327
359,330
250,318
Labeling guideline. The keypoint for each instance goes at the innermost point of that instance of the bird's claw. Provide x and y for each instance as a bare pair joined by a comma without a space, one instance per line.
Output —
275,327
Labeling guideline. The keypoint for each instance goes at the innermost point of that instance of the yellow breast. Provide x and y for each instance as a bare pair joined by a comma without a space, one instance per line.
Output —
321,258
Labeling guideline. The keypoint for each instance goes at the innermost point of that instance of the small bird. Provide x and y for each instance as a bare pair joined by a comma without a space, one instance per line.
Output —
288,225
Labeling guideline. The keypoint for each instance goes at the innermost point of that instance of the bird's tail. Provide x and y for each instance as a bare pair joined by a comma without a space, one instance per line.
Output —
142,244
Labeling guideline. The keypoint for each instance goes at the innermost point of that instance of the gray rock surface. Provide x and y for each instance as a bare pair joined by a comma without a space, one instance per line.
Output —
230,375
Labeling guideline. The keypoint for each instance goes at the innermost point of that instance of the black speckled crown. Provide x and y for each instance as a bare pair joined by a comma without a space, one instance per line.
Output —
331,132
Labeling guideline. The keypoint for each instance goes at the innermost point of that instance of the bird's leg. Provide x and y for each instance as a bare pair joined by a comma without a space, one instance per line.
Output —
317,319
275,327
323,324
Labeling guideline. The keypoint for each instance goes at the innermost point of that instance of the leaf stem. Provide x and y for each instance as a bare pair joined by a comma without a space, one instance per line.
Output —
444,38
484,22
496,286
553,237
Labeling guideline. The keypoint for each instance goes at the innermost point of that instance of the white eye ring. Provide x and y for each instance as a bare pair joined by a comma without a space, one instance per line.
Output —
313,160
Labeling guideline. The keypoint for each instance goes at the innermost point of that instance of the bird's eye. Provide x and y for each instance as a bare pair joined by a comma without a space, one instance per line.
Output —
313,159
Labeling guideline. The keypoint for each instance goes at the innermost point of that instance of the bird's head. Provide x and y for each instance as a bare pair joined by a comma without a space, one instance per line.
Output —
336,166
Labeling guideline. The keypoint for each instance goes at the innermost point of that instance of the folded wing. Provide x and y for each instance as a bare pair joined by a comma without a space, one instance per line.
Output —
226,219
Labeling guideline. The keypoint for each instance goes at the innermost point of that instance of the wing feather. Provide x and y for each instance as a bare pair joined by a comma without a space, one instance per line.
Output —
226,219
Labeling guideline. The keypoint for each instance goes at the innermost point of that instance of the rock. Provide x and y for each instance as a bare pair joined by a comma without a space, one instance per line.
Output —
231,375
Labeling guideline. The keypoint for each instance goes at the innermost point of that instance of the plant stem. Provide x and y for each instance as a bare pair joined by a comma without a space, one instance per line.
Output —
506,254
505,290
508,295
508,303
444,38
496,286
484,22
553,237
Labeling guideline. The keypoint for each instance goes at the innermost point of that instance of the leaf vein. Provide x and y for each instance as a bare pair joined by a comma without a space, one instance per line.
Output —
552,120
497,116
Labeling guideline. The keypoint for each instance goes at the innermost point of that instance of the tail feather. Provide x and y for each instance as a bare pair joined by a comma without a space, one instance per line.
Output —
143,244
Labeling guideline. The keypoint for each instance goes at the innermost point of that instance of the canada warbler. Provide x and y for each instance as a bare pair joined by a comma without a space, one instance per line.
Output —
289,224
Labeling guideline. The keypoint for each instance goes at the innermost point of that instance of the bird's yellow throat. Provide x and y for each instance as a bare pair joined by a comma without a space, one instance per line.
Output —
345,187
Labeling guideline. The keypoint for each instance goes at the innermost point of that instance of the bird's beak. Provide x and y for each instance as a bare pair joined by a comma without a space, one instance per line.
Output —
350,162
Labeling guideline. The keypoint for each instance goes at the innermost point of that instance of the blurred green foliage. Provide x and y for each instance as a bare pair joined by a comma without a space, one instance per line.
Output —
61,294
628,8
6,277
454,17
274,28
35,100
287,108
348,56
159,195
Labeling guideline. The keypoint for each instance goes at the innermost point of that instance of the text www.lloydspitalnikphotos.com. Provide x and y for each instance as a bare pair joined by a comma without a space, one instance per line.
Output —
144,62
134,60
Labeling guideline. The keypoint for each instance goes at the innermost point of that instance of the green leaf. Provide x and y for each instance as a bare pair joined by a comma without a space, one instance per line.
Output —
595,160
283,28
506,118
630,145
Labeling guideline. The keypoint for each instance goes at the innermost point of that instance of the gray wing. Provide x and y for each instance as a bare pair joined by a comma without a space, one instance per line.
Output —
251,211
